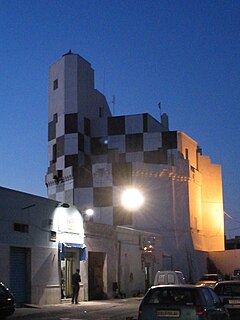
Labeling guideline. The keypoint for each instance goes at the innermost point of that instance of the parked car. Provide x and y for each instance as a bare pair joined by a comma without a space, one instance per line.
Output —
210,279
169,277
229,294
7,306
236,274
184,302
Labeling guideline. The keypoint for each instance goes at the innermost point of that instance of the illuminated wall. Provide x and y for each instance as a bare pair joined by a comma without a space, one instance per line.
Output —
205,197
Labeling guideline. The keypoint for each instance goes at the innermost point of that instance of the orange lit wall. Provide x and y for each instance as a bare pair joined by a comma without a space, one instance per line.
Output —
205,198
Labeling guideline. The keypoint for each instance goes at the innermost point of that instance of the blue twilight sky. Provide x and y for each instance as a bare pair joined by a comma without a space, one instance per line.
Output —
184,53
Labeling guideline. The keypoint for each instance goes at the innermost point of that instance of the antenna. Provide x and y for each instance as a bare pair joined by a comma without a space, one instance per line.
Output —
160,110
113,103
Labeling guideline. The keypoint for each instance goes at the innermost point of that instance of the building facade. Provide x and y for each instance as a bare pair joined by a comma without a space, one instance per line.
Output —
43,241
94,157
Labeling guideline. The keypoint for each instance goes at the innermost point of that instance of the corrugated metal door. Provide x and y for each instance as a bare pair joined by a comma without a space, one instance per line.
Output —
18,259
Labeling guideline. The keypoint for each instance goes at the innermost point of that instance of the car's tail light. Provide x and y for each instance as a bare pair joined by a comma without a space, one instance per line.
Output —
199,308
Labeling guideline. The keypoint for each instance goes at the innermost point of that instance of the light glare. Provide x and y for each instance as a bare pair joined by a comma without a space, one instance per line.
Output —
132,199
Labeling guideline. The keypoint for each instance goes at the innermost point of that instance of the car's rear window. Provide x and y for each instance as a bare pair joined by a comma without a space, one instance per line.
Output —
177,296
228,289
209,278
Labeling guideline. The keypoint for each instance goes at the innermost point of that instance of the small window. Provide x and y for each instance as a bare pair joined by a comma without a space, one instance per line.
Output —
53,236
55,84
54,153
186,154
55,117
100,112
20,227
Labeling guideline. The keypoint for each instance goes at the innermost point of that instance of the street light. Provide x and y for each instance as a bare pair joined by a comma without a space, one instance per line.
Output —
132,199
87,213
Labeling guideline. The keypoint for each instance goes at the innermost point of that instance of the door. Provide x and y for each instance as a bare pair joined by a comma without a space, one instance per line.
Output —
20,275
95,275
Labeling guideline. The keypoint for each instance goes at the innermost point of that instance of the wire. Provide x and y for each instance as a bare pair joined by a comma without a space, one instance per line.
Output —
230,217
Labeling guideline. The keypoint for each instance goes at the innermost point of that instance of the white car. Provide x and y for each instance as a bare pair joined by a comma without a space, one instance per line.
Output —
169,277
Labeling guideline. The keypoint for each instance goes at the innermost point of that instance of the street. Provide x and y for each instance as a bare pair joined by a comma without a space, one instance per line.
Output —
117,309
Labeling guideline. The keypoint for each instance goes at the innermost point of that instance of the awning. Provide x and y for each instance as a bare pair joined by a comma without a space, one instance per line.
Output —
73,245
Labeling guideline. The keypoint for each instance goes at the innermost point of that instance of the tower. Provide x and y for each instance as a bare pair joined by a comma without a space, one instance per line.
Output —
76,111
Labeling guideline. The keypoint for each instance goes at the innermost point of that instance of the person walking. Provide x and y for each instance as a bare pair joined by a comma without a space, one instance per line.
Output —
76,279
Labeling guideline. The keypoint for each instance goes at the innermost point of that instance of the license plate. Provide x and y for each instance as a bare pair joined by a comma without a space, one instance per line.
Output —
168,313
234,301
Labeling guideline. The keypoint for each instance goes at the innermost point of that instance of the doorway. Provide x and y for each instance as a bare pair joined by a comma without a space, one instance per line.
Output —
20,275
95,275
66,277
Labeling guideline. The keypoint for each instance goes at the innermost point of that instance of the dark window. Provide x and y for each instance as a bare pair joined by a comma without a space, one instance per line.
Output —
20,227
60,146
100,112
55,117
186,154
55,84
87,127
51,130
54,153
121,216
71,161
176,296
102,197
116,125
169,139
122,174
134,142
71,123
80,142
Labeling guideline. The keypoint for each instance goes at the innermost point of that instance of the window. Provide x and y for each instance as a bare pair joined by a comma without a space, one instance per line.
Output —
100,112
54,153
71,123
53,236
20,227
102,197
55,84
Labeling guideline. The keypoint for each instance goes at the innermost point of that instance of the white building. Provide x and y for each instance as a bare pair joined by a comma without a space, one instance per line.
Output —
94,157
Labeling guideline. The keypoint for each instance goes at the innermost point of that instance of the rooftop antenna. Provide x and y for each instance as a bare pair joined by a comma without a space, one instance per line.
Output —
113,103
160,110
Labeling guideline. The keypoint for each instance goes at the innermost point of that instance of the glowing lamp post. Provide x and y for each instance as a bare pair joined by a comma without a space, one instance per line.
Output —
132,199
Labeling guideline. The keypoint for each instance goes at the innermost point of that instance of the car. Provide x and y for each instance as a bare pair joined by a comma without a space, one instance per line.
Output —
169,277
236,274
182,302
229,293
210,279
7,305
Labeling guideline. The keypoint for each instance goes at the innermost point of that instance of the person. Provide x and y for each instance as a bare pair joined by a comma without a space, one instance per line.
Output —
75,286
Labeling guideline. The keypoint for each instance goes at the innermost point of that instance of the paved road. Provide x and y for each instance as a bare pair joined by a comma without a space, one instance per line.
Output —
117,309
